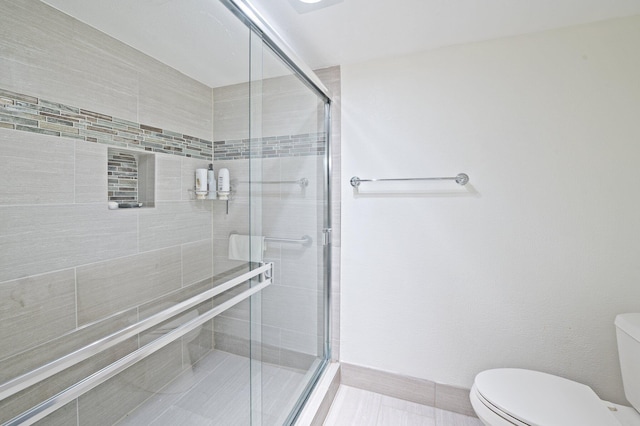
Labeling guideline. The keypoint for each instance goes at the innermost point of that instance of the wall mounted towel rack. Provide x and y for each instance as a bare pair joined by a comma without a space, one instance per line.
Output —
461,179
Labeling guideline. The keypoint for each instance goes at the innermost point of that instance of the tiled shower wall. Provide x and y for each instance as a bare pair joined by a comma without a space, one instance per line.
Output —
72,269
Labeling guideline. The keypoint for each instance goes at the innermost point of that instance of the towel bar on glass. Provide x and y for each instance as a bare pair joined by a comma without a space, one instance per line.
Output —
461,179
70,360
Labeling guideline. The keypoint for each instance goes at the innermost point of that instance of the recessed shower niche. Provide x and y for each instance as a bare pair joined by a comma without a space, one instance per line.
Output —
131,178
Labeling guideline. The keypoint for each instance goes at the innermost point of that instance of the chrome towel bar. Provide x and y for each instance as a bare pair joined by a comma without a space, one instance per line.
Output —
461,179
74,391
41,373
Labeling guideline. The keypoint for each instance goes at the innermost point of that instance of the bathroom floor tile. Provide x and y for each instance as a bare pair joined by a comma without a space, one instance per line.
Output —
217,391
357,407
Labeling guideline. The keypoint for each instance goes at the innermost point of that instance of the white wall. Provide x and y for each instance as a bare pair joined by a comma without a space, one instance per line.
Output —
529,264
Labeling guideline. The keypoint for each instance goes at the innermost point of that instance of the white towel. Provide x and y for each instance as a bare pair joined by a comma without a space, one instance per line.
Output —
241,245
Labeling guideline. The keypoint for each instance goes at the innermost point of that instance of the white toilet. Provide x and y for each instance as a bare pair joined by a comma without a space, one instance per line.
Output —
511,396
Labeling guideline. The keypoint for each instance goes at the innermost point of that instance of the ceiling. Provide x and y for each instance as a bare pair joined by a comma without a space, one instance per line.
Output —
359,30
203,40
200,38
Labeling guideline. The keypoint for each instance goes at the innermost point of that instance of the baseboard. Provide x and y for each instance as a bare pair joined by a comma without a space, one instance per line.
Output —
421,391
266,353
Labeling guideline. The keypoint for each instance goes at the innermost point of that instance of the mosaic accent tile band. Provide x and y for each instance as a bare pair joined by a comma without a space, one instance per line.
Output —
274,146
31,114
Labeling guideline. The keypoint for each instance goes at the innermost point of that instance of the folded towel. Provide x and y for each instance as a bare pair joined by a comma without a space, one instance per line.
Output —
241,245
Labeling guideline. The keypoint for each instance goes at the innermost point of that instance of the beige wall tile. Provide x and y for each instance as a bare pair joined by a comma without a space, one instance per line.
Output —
231,112
36,309
63,60
108,287
197,262
287,107
290,308
301,342
22,401
59,346
90,173
168,178
236,221
300,267
38,239
35,169
172,101
174,223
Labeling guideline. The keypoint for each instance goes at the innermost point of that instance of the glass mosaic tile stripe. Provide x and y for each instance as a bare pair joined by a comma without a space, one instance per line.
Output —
274,146
31,114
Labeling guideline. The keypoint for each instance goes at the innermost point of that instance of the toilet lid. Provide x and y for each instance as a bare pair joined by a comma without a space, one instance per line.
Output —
540,399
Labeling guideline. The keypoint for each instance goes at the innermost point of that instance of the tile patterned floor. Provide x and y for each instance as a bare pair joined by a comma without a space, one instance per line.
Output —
357,407
217,392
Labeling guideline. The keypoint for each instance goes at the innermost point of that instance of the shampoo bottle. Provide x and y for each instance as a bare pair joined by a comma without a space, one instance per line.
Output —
201,183
223,184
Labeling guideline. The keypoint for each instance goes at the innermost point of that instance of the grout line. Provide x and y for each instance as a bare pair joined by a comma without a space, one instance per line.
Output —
75,280
75,170
182,266
137,231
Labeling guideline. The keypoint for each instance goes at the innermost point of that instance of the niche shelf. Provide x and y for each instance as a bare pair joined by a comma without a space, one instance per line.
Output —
131,177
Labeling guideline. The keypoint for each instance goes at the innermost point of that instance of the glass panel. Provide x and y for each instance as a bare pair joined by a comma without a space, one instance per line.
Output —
289,173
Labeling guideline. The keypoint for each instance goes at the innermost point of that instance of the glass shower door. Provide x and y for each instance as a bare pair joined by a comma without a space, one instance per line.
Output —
289,197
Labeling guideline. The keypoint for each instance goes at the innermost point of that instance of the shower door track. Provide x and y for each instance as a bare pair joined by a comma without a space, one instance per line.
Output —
50,405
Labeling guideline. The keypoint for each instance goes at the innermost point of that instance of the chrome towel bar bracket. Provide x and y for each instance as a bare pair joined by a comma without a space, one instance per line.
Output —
461,179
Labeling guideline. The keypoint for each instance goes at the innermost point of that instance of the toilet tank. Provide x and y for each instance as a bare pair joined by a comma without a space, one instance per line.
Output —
628,336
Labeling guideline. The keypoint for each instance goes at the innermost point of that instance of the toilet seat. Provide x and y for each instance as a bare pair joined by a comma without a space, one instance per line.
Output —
532,398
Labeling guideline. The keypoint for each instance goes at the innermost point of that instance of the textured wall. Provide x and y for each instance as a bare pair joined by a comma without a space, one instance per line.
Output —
526,266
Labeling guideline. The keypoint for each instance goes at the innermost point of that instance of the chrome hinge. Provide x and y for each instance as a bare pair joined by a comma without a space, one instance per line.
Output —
326,236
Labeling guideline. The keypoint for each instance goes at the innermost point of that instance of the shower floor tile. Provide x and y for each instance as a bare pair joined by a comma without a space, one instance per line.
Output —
217,391
357,407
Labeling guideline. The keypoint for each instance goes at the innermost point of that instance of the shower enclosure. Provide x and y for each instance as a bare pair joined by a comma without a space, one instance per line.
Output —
125,296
